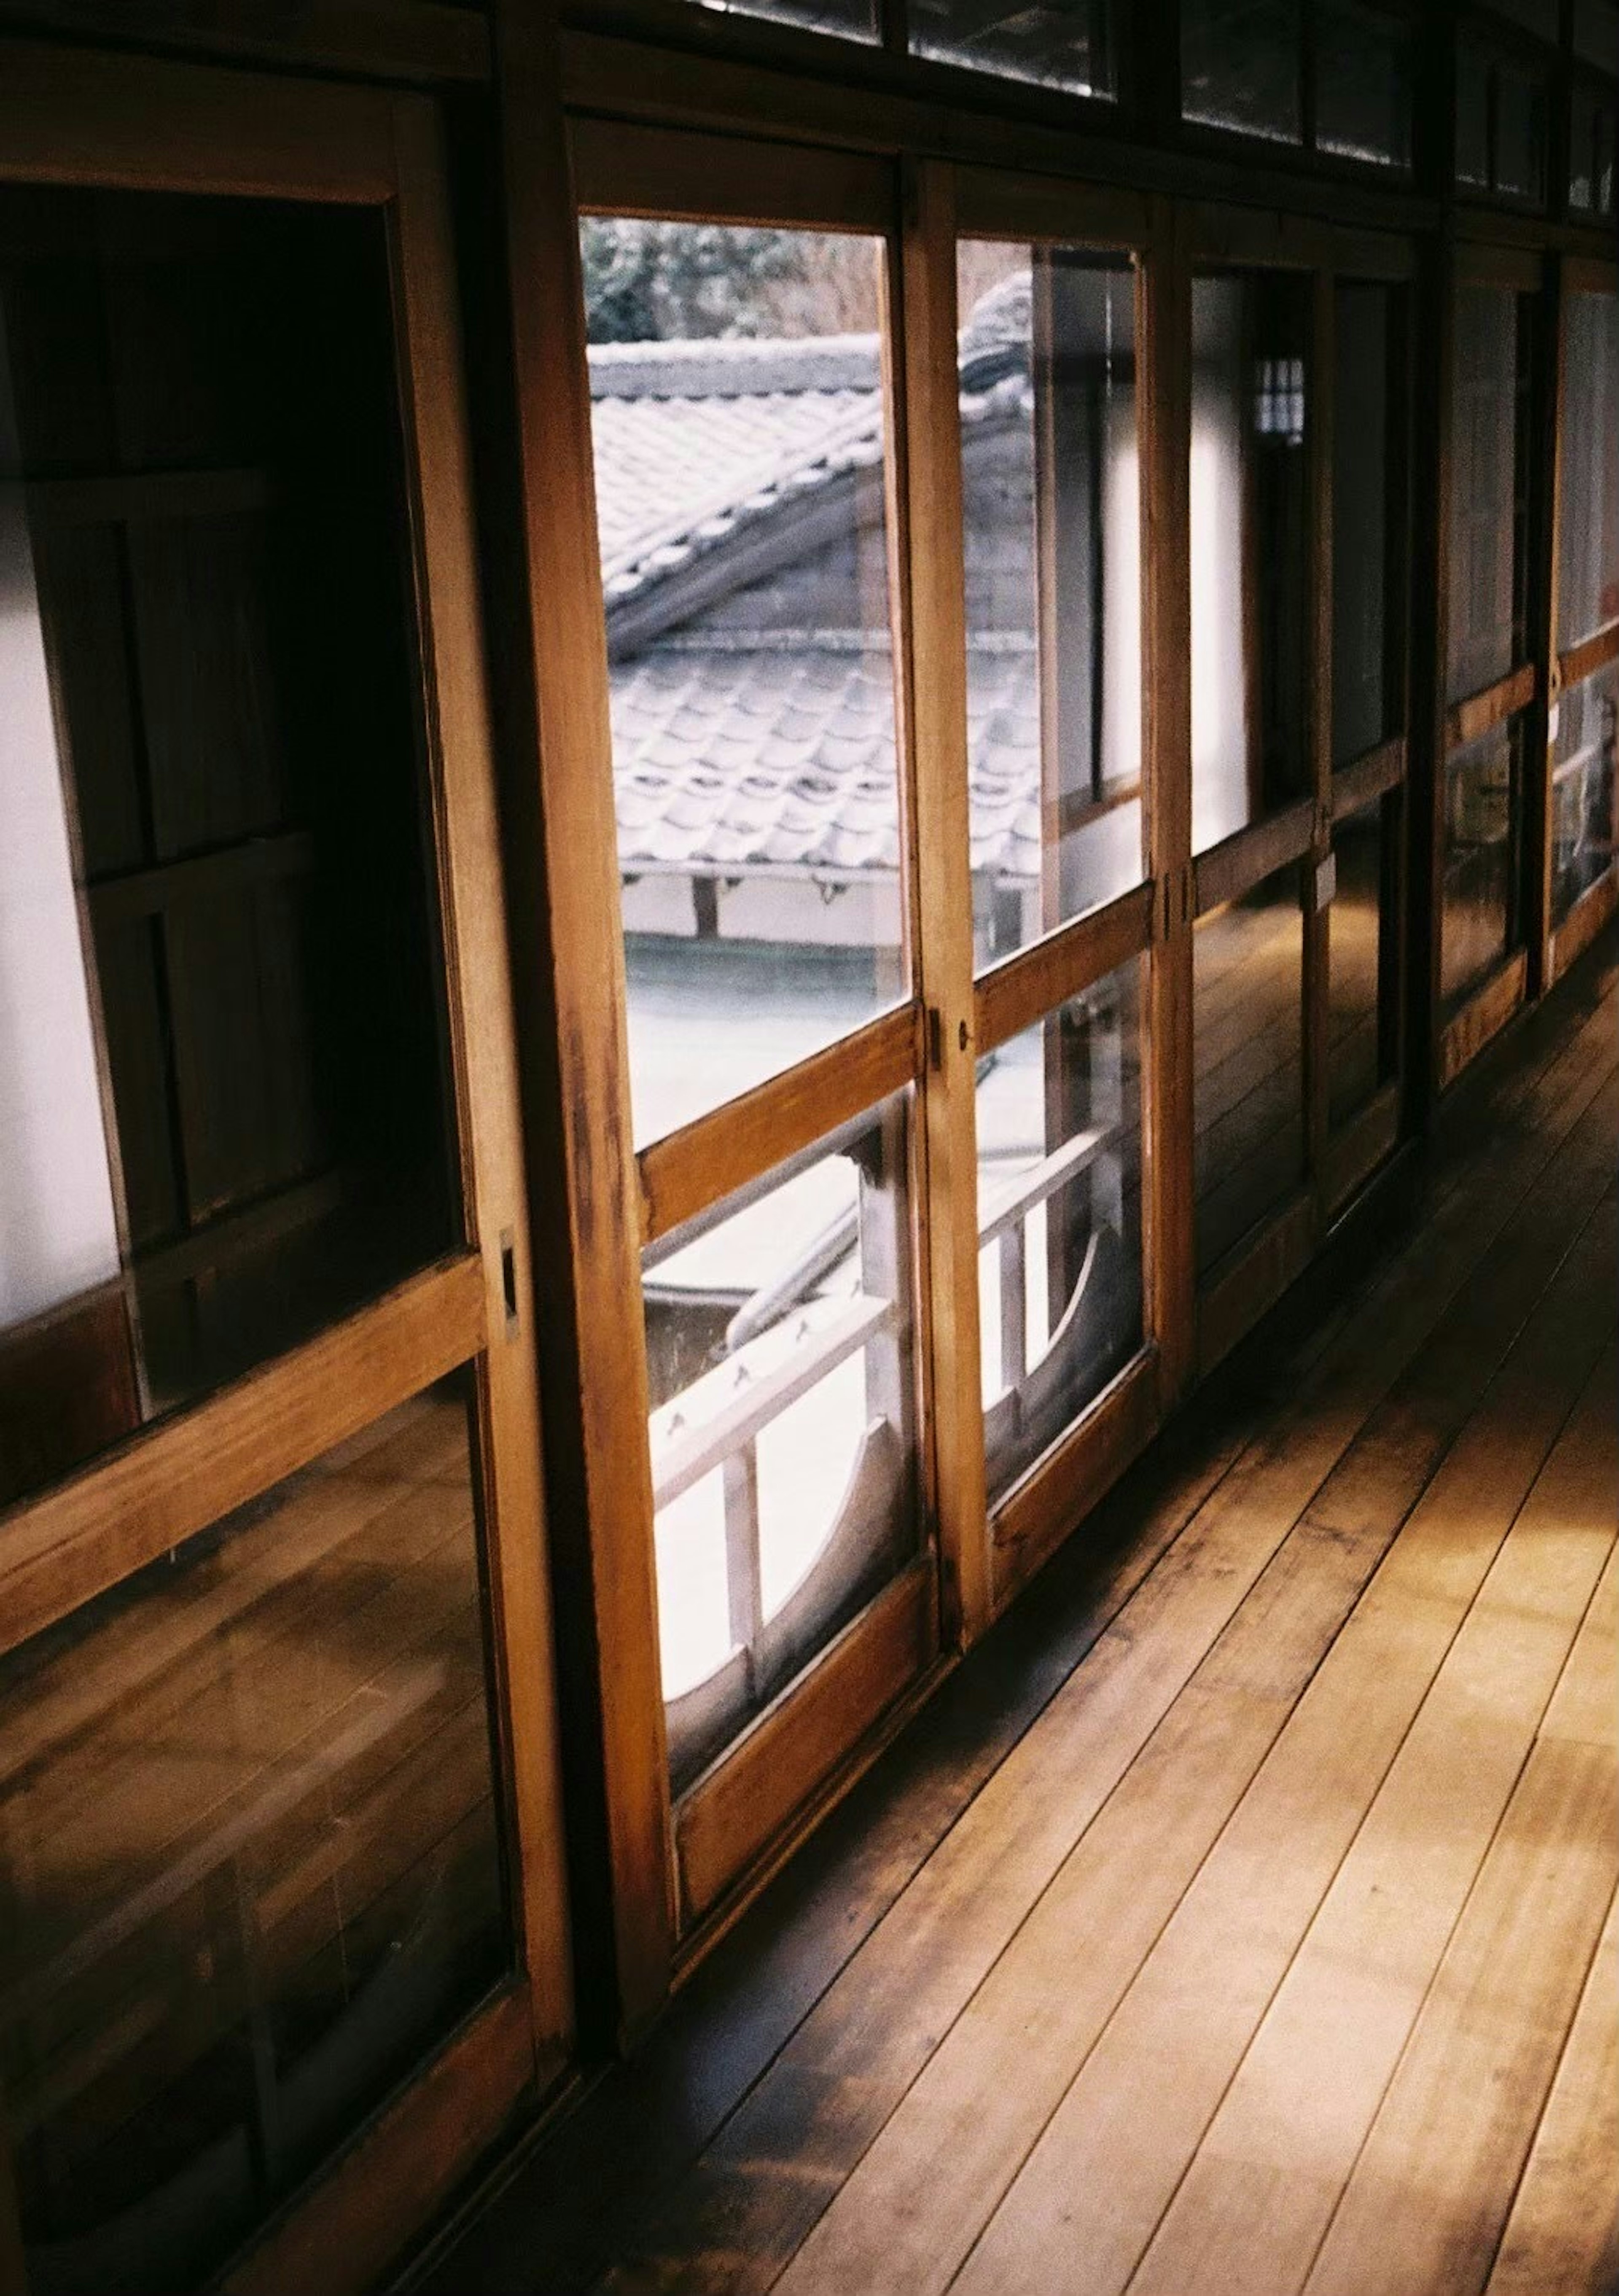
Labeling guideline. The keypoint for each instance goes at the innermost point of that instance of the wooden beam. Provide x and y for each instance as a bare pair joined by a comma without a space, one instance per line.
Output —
670,171
1367,777
927,537
415,42
559,850
1018,993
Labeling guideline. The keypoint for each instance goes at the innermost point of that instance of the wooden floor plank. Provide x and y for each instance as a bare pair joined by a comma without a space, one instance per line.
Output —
1562,2237
1278,2153
860,2050
984,2098
1106,2166
836,1989
1424,2207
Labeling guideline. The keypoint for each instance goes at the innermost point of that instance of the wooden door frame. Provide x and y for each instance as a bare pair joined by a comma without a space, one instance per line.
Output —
117,122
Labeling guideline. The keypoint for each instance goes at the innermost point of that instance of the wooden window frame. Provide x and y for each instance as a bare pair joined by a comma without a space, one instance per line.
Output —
130,123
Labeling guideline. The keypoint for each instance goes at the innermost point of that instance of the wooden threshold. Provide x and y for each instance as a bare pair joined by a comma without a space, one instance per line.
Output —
177,1478
1484,1016
728,1817
1252,1279
1052,1500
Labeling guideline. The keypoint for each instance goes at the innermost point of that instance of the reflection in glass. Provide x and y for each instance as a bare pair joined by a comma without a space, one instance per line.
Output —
1064,43
1479,921
250,1866
1588,488
1472,114
1060,1219
1363,83
223,1118
1247,1039
1368,528
738,420
1240,66
780,1351
855,20
1052,539
1250,537
1520,133
1585,825
1593,131
1362,957
1489,489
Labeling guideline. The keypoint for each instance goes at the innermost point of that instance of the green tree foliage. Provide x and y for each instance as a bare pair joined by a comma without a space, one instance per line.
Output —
662,282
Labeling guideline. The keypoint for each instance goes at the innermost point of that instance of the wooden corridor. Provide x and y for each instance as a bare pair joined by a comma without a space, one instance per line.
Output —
1239,1919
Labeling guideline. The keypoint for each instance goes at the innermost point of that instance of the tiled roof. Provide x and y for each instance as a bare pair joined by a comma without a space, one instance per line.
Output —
774,750
767,757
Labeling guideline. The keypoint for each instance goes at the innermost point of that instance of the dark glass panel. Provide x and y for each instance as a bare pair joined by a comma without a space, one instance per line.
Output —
1520,133
1052,512
1250,549
738,414
1489,489
249,1862
1472,114
1240,66
781,1355
1247,1052
1065,44
1584,821
1363,950
1588,488
1368,522
855,20
1479,921
222,1063
1363,83
1060,1218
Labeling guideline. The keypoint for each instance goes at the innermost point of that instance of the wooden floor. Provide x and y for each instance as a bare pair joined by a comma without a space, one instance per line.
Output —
1239,1917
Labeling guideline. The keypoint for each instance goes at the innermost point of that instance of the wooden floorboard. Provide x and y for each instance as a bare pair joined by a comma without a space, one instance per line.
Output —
1274,1690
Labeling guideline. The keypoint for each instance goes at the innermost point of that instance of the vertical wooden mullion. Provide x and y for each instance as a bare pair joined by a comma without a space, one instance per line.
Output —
487,1089
1321,414
1435,334
1548,406
928,527
1164,363
569,957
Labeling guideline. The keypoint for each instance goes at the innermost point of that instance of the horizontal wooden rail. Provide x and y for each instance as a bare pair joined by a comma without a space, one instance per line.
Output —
420,42
1584,921
1029,986
1252,1276
1484,1014
1586,659
1267,236
174,1480
138,495
675,172
990,205
1241,862
1066,1481
1042,1181
706,1162
685,1461
1492,706
226,873
141,124
1367,777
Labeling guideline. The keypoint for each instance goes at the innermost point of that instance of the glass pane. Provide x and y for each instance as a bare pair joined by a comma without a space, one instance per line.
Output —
1362,955
1472,114
1593,129
1239,65
249,1860
1363,84
1588,491
1247,1045
1057,43
1489,488
1584,822
1520,133
1597,35
1368,522
736,413
1060,1218
1478,924
223,1112
1052,534
780,1354
856,20
1250,550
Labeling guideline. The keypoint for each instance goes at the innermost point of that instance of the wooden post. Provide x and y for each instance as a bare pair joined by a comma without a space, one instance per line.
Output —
1164,363
560,853
927,528
1320,415
1545,452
